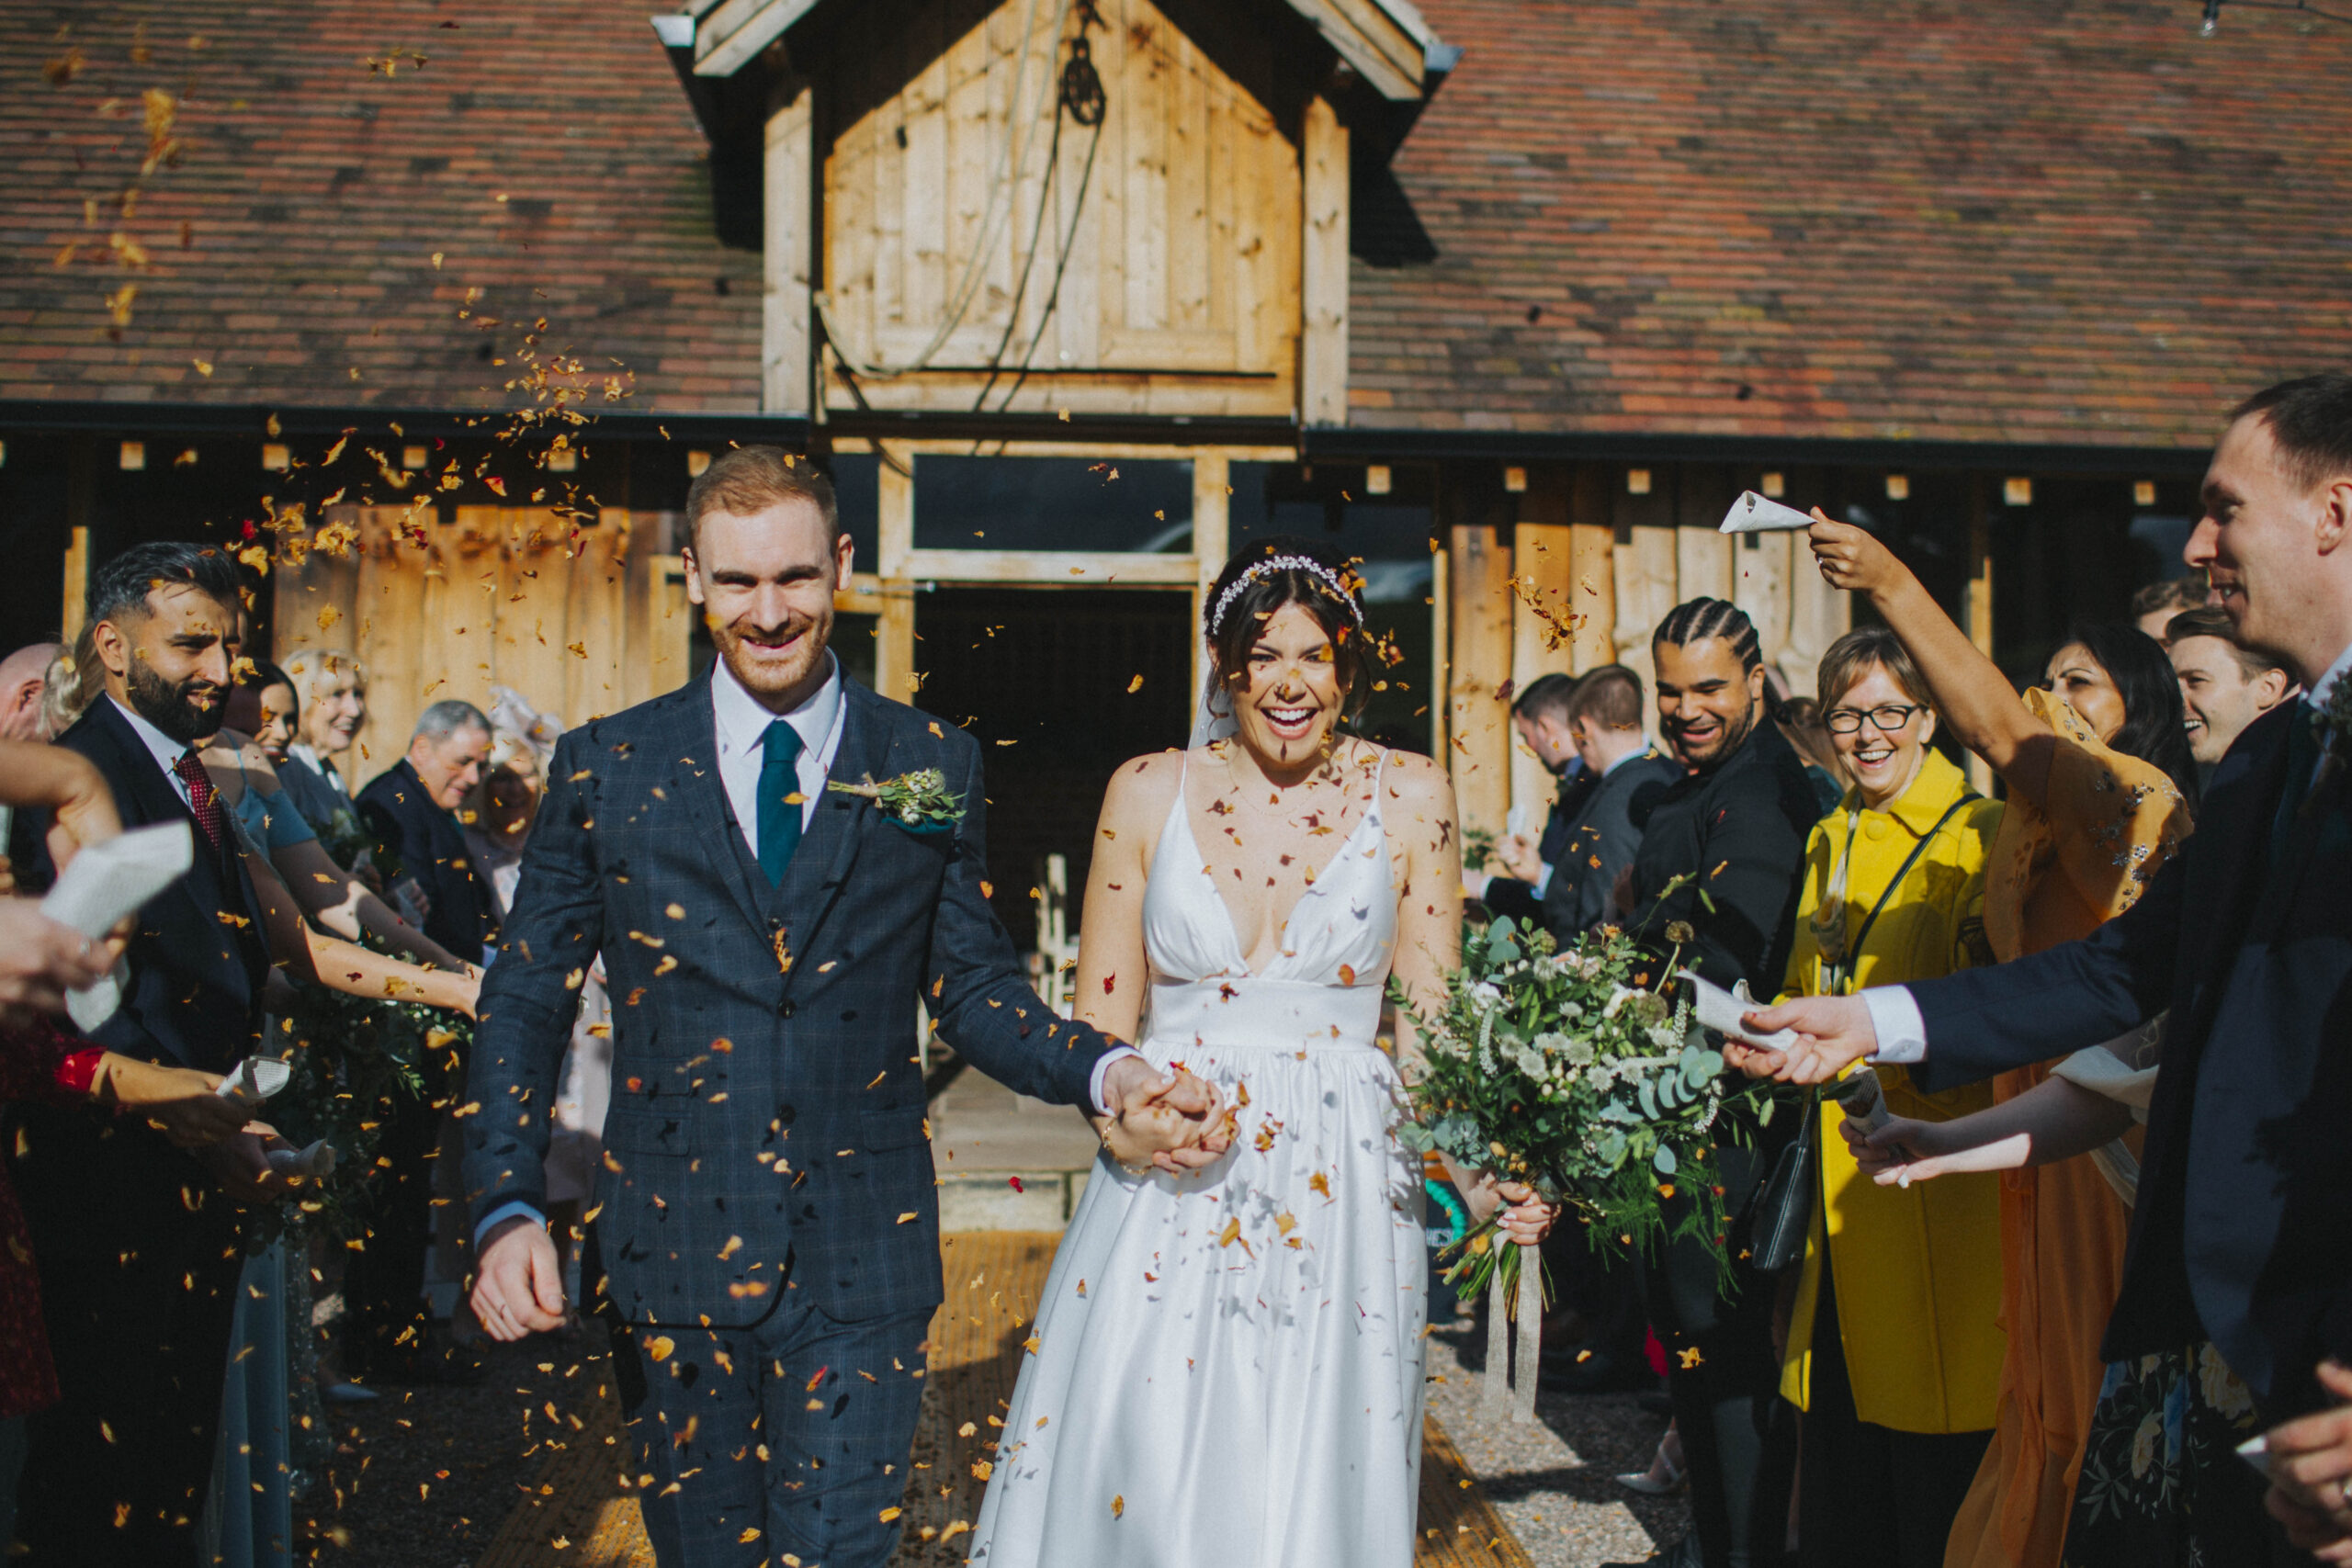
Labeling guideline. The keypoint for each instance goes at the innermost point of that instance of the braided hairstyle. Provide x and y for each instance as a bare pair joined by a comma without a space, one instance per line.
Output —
1696,620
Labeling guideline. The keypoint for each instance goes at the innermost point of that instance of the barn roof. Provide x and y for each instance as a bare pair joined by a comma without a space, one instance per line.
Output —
2002,220
344,173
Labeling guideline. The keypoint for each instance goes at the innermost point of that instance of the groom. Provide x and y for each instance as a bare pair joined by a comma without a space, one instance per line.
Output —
767,1220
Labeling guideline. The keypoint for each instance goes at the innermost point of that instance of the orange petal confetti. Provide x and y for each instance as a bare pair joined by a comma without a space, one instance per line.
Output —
1231,1233
1118,1506
659,1348
1347,975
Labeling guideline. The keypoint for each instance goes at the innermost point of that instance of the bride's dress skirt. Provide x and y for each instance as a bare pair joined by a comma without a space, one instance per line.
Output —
1225,1368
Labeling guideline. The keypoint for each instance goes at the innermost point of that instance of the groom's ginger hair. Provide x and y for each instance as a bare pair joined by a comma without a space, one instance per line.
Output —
750,479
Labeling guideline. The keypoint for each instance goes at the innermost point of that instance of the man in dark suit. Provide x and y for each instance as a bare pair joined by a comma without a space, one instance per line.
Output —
1628,777
2246,1184
1732,828
138,1242
768,1229
412,807
1540,715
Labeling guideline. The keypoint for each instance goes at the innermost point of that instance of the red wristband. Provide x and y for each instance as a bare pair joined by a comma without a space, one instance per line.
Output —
78,1070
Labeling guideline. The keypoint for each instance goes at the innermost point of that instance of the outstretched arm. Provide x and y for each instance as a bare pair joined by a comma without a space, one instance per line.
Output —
1972,696
311,955
2053,1121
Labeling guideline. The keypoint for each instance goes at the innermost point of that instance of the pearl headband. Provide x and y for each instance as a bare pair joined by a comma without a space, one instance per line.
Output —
1272,564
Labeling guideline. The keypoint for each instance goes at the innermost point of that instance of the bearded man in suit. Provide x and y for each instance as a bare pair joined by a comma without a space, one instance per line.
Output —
768,1226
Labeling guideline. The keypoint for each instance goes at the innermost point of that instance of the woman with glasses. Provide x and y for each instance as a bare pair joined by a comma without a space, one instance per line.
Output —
1893,1354
2100,785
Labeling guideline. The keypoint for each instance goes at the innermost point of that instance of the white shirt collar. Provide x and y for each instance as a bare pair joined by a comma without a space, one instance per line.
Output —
1635,755
743,721
165,750
303,751
2325,684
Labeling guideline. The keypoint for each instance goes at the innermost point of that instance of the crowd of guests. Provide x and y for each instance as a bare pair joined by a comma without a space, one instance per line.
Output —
1965,1339
159,1366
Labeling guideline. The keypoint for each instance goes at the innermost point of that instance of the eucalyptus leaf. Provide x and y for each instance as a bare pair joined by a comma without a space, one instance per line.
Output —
1663,1161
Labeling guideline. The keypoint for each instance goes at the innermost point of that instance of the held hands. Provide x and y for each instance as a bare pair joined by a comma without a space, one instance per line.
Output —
241,1164
2310,1464
1520,858
1178,1122
1528,1220
1835,1032
518,1282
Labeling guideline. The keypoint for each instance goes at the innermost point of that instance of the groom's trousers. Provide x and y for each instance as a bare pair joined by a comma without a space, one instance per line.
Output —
784,1443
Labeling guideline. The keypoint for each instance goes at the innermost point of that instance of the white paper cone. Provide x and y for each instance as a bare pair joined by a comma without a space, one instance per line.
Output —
1753,514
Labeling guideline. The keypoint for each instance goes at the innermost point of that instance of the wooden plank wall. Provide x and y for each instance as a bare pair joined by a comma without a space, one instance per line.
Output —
581,622
1180,295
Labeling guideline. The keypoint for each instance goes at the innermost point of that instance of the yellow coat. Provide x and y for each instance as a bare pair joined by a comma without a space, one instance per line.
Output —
1918,1269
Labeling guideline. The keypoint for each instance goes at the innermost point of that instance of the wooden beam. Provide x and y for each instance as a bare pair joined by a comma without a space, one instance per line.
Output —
1052,569
75,609
1212,511
1440,650
785,384
894,644
1593,583
1479,614
1543,556
1373,39
1323,269
726,40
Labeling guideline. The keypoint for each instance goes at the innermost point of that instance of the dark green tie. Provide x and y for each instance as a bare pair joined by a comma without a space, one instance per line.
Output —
779,800
2303,761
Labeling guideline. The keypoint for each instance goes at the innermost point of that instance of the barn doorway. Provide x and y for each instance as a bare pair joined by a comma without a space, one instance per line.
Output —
1059,687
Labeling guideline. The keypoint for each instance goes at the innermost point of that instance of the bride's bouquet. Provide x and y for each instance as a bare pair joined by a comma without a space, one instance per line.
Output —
1571,1072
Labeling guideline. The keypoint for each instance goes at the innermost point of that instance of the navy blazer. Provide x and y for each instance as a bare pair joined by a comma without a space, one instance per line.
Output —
2246,1184
200,955
1602,841
767,1116
432,849
1510,895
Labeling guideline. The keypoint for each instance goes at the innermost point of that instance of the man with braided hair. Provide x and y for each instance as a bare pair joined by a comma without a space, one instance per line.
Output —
1732,829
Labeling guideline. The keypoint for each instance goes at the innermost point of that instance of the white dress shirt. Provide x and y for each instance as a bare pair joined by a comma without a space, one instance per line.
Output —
165,749
743,727
303,751
1895,1015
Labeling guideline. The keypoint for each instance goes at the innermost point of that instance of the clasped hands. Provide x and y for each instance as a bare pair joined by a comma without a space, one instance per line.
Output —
1175,1121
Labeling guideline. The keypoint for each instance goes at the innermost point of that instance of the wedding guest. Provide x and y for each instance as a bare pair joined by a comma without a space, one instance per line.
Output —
73,681
1625,776
1732,828
1894,1347
2100,784
2224,685
2154,605
139,1243
24,676
330,689
1801,727
412,807
1540,715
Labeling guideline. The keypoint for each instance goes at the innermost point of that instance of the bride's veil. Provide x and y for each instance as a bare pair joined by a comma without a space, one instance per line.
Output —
1213,714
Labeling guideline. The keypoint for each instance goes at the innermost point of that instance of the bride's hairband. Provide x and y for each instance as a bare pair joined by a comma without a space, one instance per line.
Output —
1272,564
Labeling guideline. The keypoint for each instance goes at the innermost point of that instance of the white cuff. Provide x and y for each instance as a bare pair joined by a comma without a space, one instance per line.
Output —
1894,1018
1543,881
1102,1071
517,1210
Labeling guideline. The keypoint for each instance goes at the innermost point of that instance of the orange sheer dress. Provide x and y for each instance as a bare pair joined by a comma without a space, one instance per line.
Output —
2057,872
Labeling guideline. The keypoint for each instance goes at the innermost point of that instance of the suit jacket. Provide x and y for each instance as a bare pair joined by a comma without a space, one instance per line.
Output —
2245,1183
315,794
200,955
1740,834
767,1117
1602,841
431,848
1510,895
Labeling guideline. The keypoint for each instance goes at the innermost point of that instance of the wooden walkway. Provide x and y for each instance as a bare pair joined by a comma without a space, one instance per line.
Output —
576,1516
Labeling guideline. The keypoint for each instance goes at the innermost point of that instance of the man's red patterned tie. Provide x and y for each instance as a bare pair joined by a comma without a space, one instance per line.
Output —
202,799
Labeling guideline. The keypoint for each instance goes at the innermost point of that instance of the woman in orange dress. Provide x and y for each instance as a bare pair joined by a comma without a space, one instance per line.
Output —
2100,785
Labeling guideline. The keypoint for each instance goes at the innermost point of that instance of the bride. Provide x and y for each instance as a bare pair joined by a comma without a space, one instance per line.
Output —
1227,1365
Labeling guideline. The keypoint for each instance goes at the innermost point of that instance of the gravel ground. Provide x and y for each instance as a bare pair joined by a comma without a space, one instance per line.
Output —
423,1477
1550,1479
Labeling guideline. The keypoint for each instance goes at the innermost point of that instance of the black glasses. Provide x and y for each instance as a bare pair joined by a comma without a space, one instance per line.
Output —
1847,721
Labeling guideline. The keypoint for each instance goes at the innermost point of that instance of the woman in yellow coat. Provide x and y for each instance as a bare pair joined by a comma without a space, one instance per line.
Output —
1895,1345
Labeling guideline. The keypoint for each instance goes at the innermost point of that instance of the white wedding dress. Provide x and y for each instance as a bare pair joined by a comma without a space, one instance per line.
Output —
1228,1365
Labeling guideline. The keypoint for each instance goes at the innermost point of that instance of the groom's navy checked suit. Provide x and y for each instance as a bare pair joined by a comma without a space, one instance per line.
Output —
2242,1231
768,1201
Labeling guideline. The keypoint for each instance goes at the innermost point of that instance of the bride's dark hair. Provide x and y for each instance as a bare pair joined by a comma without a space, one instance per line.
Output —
1254,586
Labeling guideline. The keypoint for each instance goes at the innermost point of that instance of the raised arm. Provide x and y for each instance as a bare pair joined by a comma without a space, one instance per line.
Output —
1972,696
341,903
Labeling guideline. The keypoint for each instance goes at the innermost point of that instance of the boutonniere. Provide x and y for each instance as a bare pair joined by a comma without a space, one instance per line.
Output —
2334,722
919,800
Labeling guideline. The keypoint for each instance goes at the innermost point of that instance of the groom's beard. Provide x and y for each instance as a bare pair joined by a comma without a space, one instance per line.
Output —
753,656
